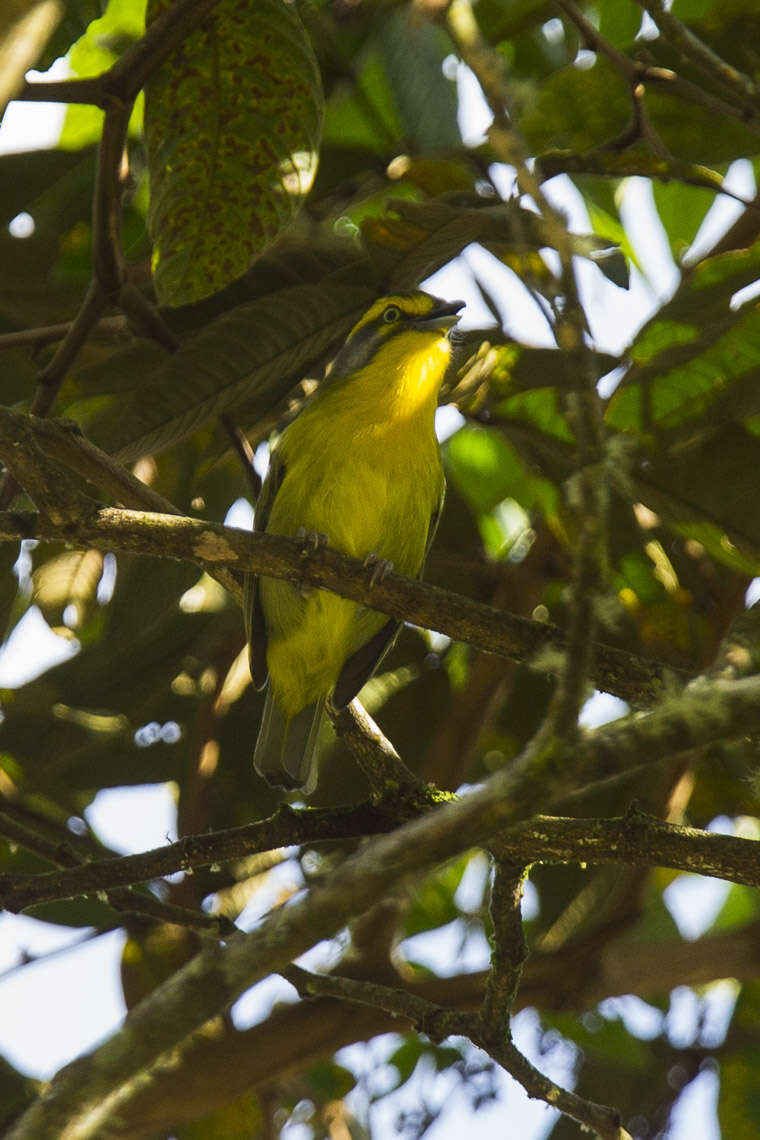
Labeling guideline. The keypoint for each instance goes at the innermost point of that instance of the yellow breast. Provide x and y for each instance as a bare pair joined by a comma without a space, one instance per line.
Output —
361,466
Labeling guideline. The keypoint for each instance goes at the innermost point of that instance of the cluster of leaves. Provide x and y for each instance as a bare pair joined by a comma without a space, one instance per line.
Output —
252,268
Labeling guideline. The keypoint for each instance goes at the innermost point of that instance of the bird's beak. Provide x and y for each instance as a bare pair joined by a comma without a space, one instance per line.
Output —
443,316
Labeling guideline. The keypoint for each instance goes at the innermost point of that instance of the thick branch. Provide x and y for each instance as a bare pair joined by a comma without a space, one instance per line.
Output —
635,840
92,1090
508,949
213,546
213,1072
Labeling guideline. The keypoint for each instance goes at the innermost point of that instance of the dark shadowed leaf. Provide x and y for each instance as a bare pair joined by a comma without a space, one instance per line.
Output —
413,51
255,353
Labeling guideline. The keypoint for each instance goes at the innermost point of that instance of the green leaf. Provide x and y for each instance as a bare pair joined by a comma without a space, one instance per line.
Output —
68,579
578,109
16,1093
122,22
740,908
433,904
413,239
76,18
413,51
508,19
619,21
12,604
406,1058
481,465
239,1119
695,353
362,115
606,1038
47,184
330,1080
738,1102
25,29
488,471
229,161
707,492
682,210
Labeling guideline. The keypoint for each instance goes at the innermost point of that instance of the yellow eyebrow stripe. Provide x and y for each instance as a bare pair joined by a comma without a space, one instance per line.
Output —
413,304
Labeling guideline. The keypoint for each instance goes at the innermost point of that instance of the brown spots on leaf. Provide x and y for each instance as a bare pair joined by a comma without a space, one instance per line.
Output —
232,110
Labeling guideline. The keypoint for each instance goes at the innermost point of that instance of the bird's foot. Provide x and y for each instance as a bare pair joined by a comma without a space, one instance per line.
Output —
309,540
380,568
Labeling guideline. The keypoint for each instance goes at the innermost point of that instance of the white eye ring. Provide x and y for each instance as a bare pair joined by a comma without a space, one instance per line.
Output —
391,315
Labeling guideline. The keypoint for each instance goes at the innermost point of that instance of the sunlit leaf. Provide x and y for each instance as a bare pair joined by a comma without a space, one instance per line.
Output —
229,162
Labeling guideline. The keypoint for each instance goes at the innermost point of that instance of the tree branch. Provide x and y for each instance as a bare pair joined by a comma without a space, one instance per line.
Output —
115,91
586,491
437,1023
508,949
635,839
123,899
48,334
97,1087
133,69
693,49
375,754
219,1070
213,546
63,441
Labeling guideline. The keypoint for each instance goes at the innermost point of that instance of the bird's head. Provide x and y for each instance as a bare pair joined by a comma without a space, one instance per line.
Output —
409,321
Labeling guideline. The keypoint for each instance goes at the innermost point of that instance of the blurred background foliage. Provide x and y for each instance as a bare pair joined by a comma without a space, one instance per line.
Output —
259,273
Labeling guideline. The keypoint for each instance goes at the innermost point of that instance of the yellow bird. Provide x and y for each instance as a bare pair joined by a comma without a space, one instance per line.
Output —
359,465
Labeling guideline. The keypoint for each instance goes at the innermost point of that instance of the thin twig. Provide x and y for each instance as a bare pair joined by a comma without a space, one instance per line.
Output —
129,74
49,334
51,375
693,49
145,318
123,899
373,752
633,72
609,163
110,173
437,1022
604,1122
286,828
587,492
638,71
244,452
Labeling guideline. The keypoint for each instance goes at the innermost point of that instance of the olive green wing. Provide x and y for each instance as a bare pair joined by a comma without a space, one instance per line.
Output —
255,626
360,666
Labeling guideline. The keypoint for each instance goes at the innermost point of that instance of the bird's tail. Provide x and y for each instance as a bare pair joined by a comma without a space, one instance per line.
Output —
286,749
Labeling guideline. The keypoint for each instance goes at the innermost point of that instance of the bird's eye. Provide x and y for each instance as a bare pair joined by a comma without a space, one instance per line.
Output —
391,315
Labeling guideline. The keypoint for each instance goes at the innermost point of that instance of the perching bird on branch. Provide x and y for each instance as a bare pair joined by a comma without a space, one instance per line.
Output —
359,465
